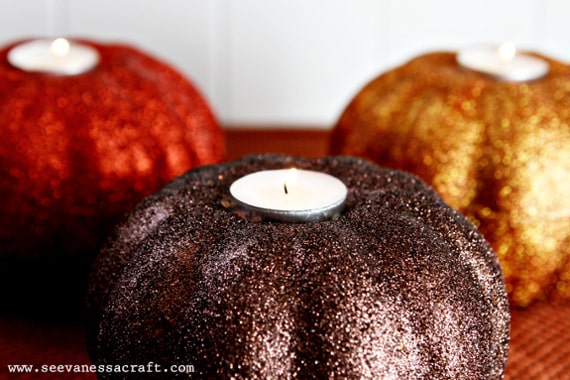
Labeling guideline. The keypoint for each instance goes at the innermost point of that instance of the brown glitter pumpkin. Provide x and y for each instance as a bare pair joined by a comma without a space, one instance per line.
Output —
399,286
497,151
77,152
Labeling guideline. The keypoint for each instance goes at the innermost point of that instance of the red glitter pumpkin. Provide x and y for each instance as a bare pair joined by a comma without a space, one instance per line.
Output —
78,151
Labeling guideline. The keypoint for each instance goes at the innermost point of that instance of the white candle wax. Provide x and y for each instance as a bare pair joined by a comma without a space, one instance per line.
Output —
502,62
291,195
54,57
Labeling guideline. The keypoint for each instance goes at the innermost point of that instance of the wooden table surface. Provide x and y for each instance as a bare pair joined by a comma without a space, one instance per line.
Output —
300,142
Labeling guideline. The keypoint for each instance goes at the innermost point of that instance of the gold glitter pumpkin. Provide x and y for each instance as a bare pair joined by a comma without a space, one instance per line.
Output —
76,152
497,151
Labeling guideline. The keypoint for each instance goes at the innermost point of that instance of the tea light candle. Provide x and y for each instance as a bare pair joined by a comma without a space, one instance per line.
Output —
291,195
503,62
57,56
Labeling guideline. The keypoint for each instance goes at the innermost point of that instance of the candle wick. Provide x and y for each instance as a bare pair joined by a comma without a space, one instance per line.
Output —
285,187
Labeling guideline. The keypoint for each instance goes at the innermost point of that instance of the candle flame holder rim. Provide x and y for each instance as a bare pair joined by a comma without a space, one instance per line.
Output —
318,196
508,72
273,174
19,54
321,214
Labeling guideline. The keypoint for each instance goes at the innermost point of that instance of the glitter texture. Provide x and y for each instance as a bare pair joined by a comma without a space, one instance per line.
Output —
496,151
77,152
400,286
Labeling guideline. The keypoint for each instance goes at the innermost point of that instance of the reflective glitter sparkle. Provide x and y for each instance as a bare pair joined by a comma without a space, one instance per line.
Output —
497,151
400,286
